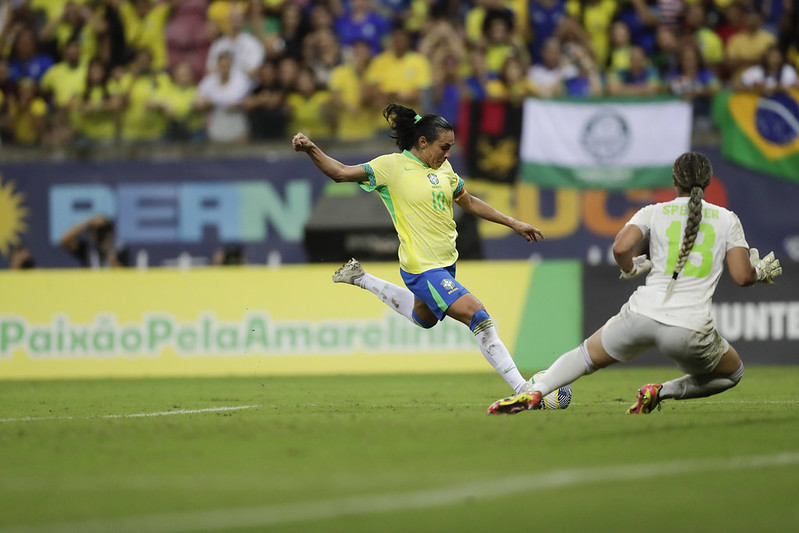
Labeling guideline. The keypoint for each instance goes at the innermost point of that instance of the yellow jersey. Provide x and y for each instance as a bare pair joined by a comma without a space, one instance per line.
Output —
25,122
148,31
400,74
419,200
138,122
596,18
51,9
96,124
64,82
309,114
352,125
179,100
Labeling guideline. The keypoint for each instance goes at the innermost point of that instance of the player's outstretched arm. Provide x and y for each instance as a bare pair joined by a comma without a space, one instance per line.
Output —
477,207
747,268
332,168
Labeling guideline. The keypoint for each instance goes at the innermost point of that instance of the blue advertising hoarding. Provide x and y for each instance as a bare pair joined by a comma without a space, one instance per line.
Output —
165,208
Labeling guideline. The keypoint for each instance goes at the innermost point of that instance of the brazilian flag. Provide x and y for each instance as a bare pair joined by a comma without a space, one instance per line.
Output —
760,132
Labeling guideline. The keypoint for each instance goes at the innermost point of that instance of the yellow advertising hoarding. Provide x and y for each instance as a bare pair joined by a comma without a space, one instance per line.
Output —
236,321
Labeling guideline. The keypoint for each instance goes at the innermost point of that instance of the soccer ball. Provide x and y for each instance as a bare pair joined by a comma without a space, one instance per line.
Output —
558,398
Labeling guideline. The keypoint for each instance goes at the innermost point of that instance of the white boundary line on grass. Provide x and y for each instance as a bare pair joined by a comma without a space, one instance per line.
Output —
132,415
408,405
273,515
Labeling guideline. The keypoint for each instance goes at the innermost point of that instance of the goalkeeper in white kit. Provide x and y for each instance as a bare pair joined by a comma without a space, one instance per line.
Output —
688,240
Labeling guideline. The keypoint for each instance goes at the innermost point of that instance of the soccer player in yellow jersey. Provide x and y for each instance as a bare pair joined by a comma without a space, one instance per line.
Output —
418,187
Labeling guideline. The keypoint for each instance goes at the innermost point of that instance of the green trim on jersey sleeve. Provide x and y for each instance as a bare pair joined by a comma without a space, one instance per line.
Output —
437,297
372,185
458,188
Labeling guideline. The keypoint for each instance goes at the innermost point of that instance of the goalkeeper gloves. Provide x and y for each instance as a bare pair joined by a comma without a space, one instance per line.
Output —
641,265
766,268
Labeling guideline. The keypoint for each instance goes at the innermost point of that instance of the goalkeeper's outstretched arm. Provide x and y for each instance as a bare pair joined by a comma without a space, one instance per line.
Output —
747,268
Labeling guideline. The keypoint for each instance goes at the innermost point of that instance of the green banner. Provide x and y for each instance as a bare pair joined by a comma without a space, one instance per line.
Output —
596,177
553,314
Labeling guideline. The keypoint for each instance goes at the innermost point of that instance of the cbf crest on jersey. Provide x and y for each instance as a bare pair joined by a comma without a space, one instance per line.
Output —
447,284
433,178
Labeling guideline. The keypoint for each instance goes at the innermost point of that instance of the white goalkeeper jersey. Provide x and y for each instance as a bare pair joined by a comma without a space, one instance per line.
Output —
664,224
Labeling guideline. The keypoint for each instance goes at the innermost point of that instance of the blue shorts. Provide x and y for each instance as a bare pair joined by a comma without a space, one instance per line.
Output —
436,287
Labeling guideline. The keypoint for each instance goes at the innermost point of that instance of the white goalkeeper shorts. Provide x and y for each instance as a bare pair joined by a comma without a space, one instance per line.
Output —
628,334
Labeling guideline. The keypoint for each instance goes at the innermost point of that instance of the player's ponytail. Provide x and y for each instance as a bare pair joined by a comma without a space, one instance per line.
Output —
407,126
691,172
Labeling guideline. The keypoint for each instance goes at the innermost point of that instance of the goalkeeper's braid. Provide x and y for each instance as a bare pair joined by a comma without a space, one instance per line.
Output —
692,172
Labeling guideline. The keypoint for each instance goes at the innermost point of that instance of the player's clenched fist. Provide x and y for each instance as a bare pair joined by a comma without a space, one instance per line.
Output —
301,143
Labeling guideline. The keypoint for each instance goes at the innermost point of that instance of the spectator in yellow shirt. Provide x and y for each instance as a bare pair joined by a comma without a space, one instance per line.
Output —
27,114
186,120
399,74
144,22
352,96
77,22
710,44
52,9
63,82
501,41
595,16
310,107
95,113
620,46
746,48
143,86
512,86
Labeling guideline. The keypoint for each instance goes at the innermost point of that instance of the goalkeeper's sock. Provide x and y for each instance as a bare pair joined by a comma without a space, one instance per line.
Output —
398,299
495,352
690,386
565,370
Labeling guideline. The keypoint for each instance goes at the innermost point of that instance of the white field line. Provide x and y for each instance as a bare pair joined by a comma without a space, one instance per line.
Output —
365,406
273,515
131,415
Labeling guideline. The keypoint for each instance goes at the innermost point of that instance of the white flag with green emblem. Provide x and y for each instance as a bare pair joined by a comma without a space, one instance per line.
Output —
615,144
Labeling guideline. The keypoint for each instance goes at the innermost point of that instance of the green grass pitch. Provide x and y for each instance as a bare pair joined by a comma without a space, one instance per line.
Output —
408,453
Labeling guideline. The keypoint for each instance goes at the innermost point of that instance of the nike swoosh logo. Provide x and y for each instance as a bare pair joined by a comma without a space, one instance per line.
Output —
406,168
511,367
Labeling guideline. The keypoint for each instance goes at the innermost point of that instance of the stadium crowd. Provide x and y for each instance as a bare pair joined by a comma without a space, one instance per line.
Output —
97,72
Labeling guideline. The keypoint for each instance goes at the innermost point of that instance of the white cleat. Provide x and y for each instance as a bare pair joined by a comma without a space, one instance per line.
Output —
350,272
